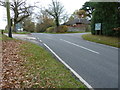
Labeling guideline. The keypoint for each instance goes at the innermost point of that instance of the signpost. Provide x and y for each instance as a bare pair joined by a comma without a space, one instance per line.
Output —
8,18
98,27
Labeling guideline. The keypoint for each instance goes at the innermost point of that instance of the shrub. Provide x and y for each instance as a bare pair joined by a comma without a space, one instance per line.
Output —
62,29
50,29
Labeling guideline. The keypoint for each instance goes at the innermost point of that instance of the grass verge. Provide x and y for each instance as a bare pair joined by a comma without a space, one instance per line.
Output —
45,70
66,32
42,70
0,36
22,33
107,40
5,31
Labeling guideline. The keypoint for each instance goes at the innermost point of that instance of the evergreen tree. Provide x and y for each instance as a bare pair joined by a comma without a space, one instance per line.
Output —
106,13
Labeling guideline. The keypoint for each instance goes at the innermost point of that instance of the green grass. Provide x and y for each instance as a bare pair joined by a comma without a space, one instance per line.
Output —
6,31
0,36
42,70
6,38
78,32
107,40
21,32
48,71
67,32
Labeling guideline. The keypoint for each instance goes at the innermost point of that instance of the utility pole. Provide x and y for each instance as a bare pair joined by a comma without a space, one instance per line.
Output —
8,18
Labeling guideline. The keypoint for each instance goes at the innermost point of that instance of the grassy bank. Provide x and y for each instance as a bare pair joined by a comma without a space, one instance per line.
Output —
66,32
5,31
112,41
41,70
0,36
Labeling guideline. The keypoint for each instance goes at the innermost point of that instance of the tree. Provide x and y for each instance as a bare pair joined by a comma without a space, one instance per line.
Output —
106,13
28,25
56,10
78,14
20,9
65,18
81,13
44,21
42,27
71,18
89,7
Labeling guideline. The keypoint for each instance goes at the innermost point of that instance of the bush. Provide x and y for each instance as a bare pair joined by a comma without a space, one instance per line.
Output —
62,29
50,29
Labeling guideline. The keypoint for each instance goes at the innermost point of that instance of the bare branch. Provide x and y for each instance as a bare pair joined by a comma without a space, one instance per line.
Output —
55,10
20,9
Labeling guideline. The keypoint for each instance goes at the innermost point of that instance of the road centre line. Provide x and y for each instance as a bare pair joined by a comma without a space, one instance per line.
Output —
81,46
40,40
74,72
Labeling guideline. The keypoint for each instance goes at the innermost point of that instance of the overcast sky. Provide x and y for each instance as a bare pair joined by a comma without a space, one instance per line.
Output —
69,5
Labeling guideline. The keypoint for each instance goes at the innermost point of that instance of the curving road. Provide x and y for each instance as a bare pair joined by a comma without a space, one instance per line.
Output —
96,63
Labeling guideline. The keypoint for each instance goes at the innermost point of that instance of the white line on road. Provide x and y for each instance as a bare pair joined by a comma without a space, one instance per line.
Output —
80,46
40,40
74,72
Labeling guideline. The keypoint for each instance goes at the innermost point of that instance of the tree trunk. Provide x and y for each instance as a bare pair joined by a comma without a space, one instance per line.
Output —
10,32
14,28
57,24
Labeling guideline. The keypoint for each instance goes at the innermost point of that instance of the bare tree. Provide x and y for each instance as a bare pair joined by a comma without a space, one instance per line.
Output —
42,15
56,10
28,25
20,9
44,20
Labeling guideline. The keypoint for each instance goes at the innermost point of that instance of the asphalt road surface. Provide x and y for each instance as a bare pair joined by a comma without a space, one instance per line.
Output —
96,63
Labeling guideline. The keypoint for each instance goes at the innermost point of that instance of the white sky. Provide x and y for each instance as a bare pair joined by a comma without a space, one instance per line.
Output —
69,5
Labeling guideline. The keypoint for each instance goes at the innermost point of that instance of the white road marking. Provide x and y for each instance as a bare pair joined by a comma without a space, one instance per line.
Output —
80,46
31,38
74,72
40,40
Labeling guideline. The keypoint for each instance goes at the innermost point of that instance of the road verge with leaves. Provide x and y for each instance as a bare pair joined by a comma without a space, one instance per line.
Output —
27,65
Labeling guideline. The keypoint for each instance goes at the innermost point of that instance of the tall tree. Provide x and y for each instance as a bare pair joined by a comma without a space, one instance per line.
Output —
28,25
106,13
56,10
20,9
89,7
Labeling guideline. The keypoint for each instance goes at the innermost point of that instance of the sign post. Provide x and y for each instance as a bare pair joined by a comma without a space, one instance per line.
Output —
98,27
8,18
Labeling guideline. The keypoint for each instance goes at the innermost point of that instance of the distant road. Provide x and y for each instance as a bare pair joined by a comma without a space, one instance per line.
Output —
96,63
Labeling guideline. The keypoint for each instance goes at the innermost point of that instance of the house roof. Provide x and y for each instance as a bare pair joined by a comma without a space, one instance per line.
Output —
77,21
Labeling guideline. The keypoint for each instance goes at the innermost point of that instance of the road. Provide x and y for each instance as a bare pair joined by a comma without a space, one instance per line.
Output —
96,63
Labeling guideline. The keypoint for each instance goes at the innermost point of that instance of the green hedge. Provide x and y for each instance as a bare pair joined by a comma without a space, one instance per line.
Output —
50,29
108,15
